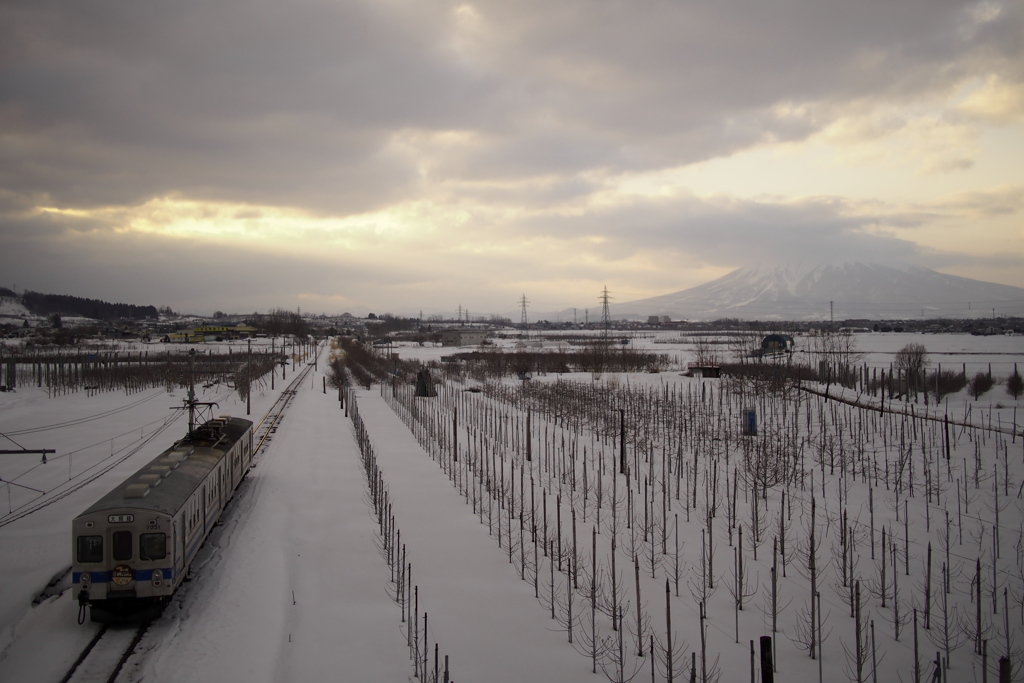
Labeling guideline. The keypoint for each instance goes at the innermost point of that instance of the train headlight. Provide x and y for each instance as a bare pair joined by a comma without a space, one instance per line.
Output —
85,580
158,577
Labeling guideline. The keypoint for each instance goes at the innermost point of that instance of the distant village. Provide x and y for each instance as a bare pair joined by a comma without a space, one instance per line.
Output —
25,328
58,320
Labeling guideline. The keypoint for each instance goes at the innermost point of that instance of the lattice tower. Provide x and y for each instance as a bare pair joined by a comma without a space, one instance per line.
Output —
606,316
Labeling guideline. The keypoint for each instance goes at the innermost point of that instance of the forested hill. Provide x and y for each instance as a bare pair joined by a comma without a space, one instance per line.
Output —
46,304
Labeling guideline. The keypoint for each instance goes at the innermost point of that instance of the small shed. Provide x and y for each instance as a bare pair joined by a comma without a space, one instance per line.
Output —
705,370
777,343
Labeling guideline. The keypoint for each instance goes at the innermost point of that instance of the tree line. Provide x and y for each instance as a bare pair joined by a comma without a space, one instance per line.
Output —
47,304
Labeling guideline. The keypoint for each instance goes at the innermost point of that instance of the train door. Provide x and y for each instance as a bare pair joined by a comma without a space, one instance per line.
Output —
179,550
120,542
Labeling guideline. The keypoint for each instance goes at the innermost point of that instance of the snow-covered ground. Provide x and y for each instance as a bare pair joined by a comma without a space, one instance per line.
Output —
293,585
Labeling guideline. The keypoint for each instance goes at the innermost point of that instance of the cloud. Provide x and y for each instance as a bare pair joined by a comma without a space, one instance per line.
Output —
113,104
299,104
480,257
996,100
70,256
981,204
400,149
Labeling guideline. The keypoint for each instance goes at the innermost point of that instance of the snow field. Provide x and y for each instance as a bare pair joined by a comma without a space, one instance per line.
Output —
480,613
309,502
824,451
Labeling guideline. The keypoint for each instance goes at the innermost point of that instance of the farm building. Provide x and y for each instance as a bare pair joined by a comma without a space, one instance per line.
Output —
462,337
777,343
221,332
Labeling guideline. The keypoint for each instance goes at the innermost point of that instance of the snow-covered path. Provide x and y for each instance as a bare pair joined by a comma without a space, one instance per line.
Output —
480,613
291,588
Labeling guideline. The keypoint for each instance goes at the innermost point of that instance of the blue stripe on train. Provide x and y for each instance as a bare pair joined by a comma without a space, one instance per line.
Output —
137,575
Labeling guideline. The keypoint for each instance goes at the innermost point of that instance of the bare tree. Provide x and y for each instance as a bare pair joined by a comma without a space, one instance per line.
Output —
1015,383
745,345
836,353
981,383
705,351
912,360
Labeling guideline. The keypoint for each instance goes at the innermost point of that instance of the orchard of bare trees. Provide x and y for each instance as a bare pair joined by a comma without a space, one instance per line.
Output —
64,372
663,541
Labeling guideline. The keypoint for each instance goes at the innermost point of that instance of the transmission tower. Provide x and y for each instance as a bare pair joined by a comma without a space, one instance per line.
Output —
606,316
526,326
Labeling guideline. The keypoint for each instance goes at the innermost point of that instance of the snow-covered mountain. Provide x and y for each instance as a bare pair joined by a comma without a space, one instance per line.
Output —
840,291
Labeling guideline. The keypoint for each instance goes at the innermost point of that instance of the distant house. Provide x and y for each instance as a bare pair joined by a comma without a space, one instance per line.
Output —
222,332
183,337
658,319
777,343
462,337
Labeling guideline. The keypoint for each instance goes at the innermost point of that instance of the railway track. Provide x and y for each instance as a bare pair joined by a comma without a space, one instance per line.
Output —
102,659
267,426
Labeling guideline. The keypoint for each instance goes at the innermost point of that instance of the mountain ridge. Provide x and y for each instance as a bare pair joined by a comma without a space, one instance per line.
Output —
840,291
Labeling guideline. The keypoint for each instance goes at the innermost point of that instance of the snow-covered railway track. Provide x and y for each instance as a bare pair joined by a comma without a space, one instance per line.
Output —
268,425
102,659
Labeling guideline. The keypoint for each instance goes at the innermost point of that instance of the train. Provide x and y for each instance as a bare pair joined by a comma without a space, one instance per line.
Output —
133,547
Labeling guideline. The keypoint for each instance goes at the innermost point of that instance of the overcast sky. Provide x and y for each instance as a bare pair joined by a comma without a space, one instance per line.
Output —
399,155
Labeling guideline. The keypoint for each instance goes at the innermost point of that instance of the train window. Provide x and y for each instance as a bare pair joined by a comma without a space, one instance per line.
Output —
121,545
90,548
152,546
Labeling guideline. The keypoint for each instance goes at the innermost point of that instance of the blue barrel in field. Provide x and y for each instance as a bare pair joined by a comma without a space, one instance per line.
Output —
750,422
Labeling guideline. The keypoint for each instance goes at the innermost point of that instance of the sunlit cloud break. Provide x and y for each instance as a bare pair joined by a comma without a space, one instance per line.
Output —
422,155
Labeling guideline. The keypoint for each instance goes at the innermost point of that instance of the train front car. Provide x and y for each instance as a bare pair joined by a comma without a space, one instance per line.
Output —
123,564
133,547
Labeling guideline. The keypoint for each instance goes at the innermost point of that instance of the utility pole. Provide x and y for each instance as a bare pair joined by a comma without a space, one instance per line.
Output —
524,322
248,383
191,403
191,392
622,441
